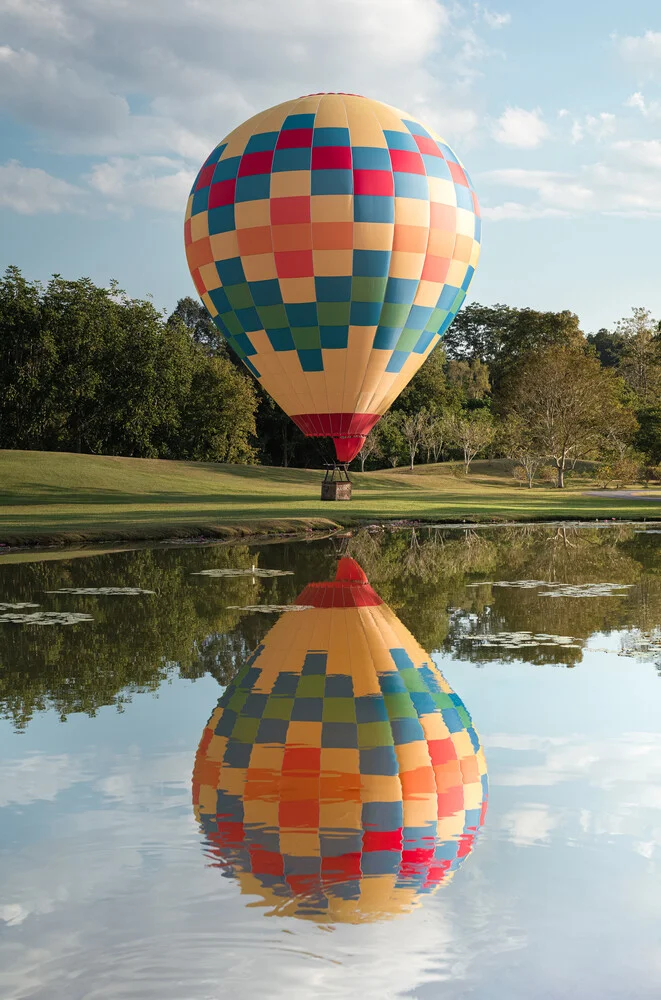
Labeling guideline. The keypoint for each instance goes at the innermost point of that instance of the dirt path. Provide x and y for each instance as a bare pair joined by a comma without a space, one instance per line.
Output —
626,494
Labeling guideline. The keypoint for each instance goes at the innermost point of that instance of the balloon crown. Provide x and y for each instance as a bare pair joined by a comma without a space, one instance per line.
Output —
349,589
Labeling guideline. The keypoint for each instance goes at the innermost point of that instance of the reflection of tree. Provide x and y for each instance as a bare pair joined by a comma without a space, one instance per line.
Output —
429,578
438,581
417,573
135,643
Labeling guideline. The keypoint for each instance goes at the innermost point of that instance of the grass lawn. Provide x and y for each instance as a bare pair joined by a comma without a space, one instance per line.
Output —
50,497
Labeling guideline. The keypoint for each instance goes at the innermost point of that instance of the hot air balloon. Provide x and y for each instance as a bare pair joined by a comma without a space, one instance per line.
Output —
333,239
339,779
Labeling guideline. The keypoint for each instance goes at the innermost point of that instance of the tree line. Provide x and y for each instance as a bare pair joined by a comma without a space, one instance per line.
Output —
88,369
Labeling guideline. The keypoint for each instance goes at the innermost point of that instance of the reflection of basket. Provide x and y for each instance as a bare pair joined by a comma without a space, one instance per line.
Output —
340,777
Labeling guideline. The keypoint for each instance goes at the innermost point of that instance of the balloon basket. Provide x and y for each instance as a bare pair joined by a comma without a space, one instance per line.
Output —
336,484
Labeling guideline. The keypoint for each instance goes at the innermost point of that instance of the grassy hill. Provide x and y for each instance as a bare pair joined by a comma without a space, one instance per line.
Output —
53,496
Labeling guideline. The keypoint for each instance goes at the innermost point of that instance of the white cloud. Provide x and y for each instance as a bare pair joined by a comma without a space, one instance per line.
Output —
31,191
529,824
204,65
43,93
577,132
493,18
626,183
648,109
517,211
640,152
38,777
556,190
131,82
599,127
521,128
643,51
157,182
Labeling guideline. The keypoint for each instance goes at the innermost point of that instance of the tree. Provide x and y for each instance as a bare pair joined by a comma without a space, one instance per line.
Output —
624,469
199,324
391,438
414,429
88,369
567,401
218,414
27,358
648,436
472,432
470,378
501,336
479,332
371,446
519,444
640,362
608,345
435,436
428,389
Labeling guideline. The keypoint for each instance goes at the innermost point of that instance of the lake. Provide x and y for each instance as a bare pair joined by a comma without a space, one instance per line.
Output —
400,764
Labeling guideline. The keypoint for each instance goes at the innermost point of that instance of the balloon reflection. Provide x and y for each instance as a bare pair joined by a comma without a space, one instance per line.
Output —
340,777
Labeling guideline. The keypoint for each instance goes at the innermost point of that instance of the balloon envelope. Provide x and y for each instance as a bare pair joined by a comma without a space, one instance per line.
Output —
340,777
333,239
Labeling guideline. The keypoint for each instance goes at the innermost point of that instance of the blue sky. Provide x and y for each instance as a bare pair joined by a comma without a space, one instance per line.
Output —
109,107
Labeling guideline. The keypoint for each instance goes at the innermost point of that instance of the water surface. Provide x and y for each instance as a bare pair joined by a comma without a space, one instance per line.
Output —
146,851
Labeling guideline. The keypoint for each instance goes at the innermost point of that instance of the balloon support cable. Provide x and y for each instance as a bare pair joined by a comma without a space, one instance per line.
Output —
336,484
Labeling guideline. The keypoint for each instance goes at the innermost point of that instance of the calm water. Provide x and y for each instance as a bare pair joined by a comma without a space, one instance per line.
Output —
335,826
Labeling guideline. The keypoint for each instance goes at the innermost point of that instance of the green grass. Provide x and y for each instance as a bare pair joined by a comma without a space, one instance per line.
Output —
51,497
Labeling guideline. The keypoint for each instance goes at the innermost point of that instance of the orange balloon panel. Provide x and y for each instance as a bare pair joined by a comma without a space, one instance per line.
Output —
340,777
333,239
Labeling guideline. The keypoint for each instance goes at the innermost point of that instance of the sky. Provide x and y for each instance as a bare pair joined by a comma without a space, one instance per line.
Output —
109,107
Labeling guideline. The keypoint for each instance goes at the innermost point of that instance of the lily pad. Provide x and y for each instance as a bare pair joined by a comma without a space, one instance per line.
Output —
523,640
644,646
17,606
268,609
253,571
588,590
46,618
554,589
101,591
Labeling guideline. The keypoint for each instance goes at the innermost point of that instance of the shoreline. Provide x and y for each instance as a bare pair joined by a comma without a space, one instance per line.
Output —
78,543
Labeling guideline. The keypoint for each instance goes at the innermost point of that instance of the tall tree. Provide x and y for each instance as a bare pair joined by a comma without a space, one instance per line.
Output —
428,389
501,336
640,361
472,432
199,324
27,358
648,437
88,369
470,379
414,429
519,442
568,402
371,446
479,332
391,438
609,345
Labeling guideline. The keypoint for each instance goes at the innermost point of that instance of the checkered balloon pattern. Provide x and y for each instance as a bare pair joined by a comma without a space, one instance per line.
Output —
333,239
340,778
